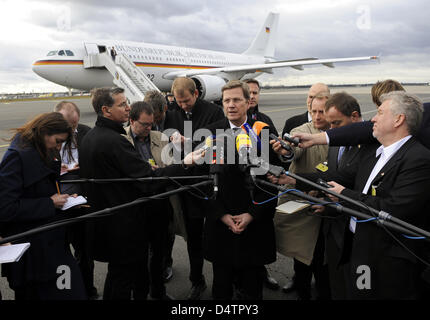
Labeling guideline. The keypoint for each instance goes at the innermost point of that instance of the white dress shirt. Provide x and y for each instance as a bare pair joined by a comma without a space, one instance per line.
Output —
232,126
65,158
386,154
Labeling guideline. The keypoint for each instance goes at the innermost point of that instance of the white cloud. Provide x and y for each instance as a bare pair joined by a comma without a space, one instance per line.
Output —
310,28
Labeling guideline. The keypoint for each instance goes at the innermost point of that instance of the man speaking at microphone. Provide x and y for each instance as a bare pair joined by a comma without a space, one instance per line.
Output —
239,235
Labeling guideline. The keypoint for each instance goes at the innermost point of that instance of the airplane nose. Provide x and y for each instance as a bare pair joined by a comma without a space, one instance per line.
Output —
36,67
41,68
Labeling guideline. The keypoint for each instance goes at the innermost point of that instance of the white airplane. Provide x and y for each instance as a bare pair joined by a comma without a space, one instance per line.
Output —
162,64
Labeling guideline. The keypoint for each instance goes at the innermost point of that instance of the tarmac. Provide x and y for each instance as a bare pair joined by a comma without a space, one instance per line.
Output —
278,104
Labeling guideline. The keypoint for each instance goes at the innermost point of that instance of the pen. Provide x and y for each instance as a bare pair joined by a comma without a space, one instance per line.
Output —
58,188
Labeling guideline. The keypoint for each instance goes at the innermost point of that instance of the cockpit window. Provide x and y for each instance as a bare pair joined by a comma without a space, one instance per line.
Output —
61,53
69,53
52,53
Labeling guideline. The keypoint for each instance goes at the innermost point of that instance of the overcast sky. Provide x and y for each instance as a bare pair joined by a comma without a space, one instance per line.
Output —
398,30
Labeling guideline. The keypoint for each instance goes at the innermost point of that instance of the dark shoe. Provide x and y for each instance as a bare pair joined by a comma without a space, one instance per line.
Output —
197,290
270,282
93,295
239,294
168,274
289,287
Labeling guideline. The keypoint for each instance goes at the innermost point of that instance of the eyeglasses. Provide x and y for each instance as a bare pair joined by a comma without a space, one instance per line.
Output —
145,124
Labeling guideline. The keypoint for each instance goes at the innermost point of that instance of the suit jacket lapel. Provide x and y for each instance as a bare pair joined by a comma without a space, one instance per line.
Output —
392,162
367,164
348,156
332,158
156,147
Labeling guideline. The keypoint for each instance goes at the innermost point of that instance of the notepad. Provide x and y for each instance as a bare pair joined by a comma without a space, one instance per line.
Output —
71,202
291,207
70,167
13,252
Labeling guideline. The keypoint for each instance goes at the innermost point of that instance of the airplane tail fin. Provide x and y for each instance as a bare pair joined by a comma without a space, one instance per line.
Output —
264,43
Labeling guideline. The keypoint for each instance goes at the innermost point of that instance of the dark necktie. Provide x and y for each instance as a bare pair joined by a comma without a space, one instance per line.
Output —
188,115
343,154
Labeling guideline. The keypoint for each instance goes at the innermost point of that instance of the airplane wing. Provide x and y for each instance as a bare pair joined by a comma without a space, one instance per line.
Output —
264,67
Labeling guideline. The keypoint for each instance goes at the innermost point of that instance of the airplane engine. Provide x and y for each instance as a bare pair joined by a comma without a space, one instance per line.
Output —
209,87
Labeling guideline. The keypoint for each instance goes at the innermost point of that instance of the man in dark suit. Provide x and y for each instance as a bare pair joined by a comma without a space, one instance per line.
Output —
254,98
255,114
70,171
340,110
193,114
239,235
393,177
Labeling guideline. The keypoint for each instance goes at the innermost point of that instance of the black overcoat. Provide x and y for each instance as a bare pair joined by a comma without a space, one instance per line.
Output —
26,185
105,153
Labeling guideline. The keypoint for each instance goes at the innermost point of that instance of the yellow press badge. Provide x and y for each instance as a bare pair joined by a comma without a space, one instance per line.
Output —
373,191
151,162
322,167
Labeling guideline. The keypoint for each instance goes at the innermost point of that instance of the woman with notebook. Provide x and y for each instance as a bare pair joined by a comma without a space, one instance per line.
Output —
29,197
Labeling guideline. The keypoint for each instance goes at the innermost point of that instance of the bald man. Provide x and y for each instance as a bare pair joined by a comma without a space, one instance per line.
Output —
294,122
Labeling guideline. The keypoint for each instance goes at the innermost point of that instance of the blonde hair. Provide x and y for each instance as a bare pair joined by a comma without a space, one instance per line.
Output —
237,84
382,87
180,85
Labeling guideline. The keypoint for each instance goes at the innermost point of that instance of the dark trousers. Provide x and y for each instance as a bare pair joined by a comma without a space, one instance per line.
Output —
170,241
194,228
168,259
86,265
157,226
78,237
249,279
48,290
303,274
127,281
340,280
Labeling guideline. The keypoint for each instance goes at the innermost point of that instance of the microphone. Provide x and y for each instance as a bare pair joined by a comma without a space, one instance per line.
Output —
283,144
290,139
215,167
258,126
290,155
243,147
208,143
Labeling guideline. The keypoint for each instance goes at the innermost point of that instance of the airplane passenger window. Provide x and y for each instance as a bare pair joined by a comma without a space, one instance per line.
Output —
69,53
61,53
52,53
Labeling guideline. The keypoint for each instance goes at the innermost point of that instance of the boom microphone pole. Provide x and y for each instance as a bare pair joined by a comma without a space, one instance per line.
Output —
382,215
98,214
146,179
349,211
